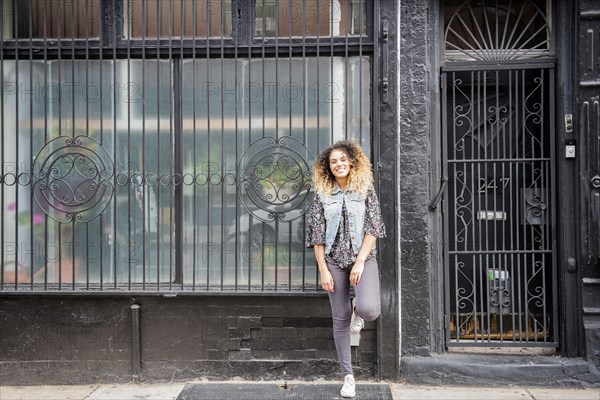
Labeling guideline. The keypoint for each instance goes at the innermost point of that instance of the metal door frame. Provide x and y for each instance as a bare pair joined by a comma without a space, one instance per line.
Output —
550,107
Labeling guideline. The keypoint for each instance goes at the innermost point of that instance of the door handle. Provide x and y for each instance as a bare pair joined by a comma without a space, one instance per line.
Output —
436,200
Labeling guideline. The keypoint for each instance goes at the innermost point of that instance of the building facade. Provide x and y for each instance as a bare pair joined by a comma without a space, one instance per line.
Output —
157,164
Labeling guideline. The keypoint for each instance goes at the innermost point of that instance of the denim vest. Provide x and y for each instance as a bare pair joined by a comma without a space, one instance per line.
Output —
355,206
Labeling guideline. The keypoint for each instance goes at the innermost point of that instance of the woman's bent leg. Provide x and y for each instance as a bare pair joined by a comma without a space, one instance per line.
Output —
368,303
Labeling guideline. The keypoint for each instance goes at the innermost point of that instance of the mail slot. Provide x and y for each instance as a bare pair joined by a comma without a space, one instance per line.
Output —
491,216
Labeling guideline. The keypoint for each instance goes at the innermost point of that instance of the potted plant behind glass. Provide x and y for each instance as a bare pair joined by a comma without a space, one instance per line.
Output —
28,245
51,261
61,265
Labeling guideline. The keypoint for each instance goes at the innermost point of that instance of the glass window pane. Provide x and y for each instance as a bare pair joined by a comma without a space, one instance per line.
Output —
144,207
94,150
52,19
53,105
91,185
178,18
294,18
229,108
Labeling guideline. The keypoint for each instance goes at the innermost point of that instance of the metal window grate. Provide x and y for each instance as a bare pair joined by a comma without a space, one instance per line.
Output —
160,146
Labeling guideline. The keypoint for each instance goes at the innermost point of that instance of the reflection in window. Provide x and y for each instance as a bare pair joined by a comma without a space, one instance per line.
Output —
39,19
309,18
181,18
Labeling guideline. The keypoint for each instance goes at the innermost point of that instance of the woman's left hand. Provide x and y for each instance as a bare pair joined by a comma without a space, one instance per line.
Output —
356,272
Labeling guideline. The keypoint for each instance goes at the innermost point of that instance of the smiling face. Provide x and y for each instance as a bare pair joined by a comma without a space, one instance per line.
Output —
339,164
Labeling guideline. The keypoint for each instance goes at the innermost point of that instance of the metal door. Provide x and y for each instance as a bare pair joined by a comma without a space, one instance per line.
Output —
499,210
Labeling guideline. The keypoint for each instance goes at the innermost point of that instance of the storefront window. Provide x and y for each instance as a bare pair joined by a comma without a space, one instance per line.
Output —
98,188
159,167
180,18
51,19
299,18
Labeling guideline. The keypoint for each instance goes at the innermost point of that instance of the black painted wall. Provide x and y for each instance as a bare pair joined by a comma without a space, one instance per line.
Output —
415,165
71,339
587,134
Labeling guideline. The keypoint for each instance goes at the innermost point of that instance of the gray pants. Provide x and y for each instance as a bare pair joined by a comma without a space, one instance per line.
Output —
367,304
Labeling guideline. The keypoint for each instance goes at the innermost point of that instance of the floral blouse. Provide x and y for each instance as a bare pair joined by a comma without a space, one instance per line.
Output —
341,252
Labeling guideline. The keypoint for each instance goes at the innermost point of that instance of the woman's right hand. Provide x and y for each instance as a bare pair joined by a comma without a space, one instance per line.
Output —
326,280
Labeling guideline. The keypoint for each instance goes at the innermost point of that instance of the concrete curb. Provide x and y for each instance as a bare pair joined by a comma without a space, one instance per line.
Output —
170,391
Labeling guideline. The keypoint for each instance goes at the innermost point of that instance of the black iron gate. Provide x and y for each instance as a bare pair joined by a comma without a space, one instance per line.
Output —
499,209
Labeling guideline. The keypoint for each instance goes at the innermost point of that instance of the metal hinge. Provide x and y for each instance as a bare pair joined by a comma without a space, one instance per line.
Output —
568,123
385,32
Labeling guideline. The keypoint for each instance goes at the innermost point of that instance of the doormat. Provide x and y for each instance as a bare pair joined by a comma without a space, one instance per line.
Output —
267,391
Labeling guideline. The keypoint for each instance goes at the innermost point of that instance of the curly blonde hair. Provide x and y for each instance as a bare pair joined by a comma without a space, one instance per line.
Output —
360,177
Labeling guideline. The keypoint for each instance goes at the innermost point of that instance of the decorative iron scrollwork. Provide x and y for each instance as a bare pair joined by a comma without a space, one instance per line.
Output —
521,31
596,182
73,179
275,179
535,206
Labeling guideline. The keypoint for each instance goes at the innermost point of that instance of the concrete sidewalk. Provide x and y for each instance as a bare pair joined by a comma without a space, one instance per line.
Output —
399,392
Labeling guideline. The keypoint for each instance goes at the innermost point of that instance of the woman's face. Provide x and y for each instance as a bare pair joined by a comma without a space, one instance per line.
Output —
339,164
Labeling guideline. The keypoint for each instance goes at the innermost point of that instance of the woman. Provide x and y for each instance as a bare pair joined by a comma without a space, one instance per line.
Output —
344,222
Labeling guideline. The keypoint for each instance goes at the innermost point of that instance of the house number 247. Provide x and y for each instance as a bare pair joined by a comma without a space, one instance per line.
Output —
493,184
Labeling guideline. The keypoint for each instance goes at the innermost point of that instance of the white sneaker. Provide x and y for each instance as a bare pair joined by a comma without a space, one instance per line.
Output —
356,323
349,389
